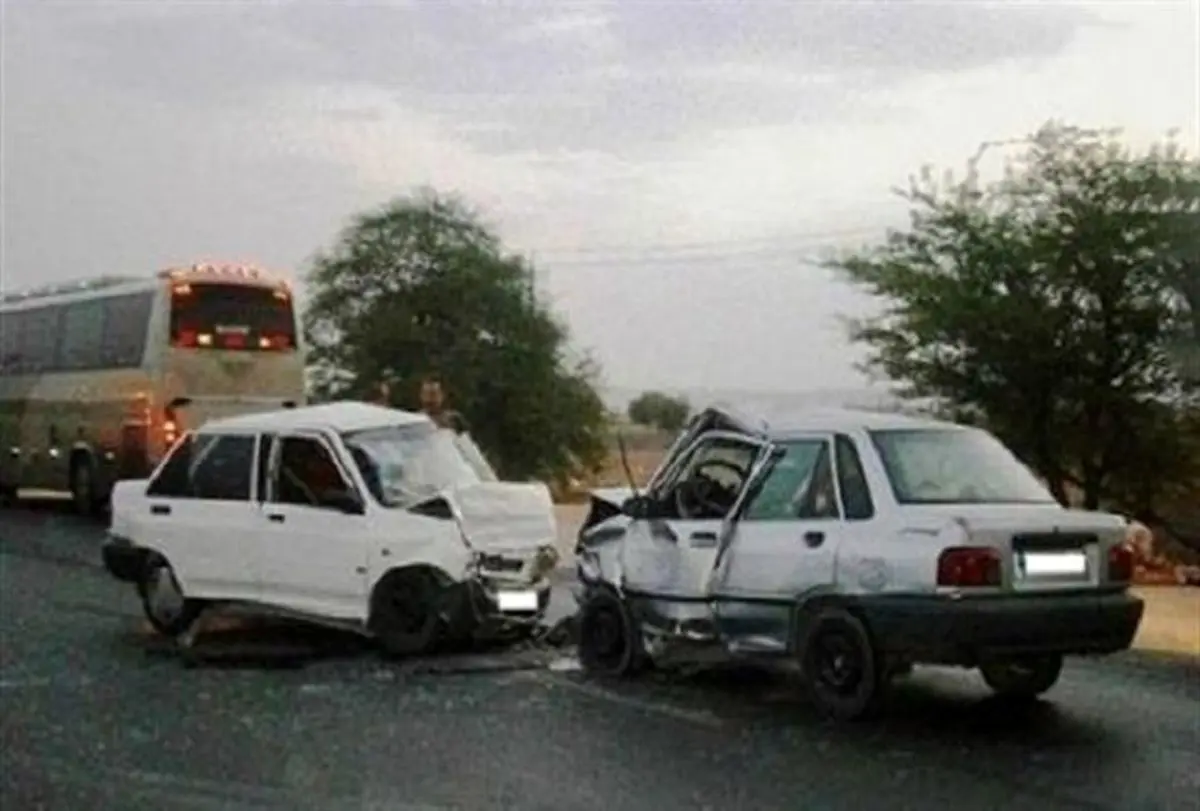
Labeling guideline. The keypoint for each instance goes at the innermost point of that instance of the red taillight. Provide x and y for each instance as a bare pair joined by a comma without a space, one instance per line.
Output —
1120,563
969,567
275,341
187,338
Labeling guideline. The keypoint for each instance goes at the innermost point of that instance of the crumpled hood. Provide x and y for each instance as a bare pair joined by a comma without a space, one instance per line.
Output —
499,516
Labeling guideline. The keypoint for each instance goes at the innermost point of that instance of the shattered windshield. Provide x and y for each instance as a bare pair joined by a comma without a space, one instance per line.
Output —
955,466
405,465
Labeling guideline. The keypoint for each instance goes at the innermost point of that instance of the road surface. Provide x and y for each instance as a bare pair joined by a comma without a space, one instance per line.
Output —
95,714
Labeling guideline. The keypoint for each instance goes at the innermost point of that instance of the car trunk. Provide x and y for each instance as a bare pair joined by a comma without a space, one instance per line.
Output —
1043,547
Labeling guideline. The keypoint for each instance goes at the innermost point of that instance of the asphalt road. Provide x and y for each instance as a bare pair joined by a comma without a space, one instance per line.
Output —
96,715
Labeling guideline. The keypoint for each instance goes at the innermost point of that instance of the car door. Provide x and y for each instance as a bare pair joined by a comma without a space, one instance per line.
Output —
706,421
201,516
670,554
315,529
782,543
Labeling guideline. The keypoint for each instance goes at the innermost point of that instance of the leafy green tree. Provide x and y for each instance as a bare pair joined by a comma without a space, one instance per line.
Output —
1046,305
422,286
659,410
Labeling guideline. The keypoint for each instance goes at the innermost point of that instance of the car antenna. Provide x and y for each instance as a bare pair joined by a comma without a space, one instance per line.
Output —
625,462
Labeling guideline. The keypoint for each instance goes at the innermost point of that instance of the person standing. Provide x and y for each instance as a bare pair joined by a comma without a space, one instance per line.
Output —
433,403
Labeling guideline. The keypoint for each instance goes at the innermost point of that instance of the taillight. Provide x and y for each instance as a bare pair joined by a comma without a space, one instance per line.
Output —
1120,563
170,427
187,338
274,341
969,567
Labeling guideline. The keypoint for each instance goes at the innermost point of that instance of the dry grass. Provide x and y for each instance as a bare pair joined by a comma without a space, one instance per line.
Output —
1172,619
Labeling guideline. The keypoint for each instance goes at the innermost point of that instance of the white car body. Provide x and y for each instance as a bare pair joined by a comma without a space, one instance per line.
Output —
747,581
325,562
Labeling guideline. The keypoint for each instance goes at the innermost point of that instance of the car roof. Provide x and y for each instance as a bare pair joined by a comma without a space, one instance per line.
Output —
339,416
849,419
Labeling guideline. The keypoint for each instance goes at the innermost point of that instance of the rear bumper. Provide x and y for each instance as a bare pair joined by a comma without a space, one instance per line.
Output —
967,631
123,560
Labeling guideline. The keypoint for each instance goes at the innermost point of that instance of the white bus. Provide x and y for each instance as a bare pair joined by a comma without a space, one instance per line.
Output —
98,378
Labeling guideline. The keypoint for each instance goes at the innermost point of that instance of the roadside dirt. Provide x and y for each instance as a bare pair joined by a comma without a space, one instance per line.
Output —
1171,622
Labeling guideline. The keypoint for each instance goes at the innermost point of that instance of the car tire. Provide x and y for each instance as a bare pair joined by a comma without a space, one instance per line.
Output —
404,613
1025,677
843,673
83,490
166,608
610,642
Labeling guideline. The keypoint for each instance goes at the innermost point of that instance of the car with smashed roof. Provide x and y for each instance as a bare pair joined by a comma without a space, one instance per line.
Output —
345,514
849,546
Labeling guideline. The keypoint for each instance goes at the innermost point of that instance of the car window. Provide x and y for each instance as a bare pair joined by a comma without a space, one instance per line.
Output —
307,473
174,477
222,467
852,480
797,482
213,467
955,466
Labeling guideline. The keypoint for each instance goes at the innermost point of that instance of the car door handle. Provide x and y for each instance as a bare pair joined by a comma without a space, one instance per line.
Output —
814,539
703,539
276,517
160,509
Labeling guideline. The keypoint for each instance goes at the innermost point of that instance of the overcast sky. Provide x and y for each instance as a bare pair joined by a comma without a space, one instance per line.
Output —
668,163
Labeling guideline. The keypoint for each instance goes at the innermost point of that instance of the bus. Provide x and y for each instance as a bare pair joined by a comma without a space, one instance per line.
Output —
98,378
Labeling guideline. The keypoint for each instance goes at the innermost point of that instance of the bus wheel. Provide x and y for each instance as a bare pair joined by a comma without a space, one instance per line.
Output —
83,489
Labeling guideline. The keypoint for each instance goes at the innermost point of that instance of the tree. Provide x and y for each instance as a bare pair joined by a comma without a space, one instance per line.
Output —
422,286
659,410
1046,305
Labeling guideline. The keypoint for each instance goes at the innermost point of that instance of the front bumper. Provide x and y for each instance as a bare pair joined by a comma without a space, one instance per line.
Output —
966,631
474,608
123,560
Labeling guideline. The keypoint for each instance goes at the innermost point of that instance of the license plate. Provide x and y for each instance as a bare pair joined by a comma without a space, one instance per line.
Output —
1054,564
517,600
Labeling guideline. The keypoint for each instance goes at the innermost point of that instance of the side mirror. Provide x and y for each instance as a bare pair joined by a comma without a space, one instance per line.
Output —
343,501
637,507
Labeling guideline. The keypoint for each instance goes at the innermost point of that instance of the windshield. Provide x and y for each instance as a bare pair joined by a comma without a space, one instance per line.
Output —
405,465
955,466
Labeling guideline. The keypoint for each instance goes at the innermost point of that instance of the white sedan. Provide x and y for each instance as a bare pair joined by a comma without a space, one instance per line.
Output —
344,514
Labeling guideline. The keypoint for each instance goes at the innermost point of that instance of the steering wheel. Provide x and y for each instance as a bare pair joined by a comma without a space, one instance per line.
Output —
697,495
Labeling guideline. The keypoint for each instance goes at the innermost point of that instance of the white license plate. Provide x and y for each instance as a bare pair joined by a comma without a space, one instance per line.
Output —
517,600
1054,564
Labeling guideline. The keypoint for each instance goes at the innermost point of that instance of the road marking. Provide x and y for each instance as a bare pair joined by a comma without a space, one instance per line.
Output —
702,718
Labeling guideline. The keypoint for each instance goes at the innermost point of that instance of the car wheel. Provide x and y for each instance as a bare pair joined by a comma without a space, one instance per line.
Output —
404,613
163,602
83,491
841,668
610,643
1026,677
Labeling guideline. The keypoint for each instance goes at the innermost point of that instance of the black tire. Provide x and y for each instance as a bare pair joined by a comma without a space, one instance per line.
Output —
405,613
842,671
83,490
610,642
1025,677
166,608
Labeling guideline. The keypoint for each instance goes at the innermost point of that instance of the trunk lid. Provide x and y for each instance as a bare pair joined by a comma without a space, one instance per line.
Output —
1043,547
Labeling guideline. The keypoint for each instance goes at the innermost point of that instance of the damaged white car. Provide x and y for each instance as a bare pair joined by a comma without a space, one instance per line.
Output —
850,546
348,514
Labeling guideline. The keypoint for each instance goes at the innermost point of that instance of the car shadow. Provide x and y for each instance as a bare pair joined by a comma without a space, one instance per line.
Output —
247,642
930,708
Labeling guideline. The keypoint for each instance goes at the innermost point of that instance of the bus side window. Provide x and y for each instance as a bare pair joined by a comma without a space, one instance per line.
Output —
126,322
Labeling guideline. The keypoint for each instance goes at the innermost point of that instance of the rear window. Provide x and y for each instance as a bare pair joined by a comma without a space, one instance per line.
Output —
232,316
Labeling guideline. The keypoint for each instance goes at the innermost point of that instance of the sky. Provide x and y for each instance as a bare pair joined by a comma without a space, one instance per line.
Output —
672,167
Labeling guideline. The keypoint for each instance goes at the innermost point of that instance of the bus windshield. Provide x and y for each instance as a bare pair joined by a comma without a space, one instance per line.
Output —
232,316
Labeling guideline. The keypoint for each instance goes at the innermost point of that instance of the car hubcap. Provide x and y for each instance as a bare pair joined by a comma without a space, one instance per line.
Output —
839,663
165,600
